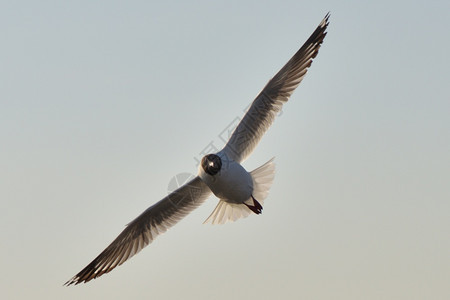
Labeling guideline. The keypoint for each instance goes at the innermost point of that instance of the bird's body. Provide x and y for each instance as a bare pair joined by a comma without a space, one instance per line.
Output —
232,174
240,192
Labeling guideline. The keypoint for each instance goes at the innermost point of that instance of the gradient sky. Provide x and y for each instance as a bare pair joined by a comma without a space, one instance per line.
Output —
102,103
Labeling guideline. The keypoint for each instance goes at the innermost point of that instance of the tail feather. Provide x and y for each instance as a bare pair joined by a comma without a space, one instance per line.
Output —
227,212
262,180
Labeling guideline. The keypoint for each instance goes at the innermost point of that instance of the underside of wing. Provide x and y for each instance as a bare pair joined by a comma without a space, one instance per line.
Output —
268,103
143,230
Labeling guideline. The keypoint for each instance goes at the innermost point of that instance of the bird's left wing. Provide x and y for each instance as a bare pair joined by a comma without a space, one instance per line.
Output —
268,103
143,230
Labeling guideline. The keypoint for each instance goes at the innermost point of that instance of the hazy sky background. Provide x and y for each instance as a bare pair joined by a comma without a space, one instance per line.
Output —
102,103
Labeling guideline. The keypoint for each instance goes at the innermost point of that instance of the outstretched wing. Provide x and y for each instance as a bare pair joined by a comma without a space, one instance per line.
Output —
143,230
268,103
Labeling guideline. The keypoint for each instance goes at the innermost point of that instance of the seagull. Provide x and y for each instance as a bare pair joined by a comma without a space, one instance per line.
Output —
240,192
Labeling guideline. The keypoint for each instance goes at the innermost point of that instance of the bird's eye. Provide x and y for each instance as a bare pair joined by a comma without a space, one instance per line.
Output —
211,164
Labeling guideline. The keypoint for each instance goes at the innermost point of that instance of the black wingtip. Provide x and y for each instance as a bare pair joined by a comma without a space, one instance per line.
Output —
73,281
325,21
327,17
70,282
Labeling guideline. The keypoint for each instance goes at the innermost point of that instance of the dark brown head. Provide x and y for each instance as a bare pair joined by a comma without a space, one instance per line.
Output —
211,164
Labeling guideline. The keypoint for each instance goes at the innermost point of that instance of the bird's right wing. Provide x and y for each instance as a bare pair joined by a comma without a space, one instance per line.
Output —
143,230
268,103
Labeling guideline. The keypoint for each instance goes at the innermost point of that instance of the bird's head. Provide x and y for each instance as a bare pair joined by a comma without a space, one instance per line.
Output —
211,164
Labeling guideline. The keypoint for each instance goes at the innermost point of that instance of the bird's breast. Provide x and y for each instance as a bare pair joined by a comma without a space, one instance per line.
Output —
232,184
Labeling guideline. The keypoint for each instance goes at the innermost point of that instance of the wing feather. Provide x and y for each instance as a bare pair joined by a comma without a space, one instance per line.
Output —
277,91
143,230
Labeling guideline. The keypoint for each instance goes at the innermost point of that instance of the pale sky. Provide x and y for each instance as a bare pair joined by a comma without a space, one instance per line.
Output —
102,104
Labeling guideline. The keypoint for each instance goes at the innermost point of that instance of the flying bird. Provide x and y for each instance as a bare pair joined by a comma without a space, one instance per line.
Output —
240,192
